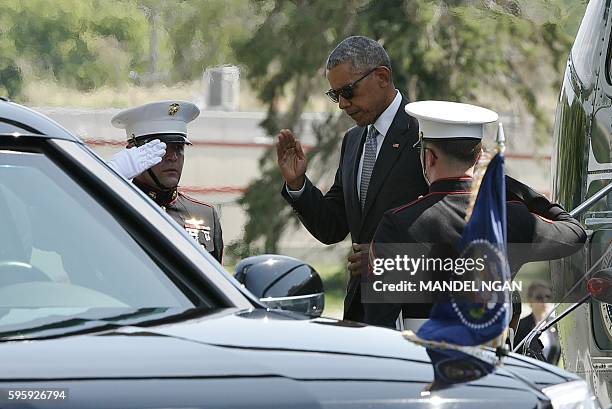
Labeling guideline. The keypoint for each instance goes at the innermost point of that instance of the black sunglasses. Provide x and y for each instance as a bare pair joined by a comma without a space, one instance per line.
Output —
348,91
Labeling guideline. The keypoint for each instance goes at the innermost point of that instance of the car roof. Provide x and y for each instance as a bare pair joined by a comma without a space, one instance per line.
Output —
18,120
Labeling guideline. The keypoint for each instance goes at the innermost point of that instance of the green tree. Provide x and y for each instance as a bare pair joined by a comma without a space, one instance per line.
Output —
83,44
86,44
457,50
200,33
11,80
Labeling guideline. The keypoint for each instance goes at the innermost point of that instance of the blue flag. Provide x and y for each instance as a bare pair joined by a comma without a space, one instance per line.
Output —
477,318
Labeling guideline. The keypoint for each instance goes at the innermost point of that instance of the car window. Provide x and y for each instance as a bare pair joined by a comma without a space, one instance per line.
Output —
583,51
60,250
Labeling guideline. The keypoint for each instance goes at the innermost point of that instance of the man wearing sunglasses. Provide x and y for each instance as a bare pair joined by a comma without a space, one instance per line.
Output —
379,167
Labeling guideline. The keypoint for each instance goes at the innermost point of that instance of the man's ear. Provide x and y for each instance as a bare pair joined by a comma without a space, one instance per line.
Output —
430,158
479,155
383,76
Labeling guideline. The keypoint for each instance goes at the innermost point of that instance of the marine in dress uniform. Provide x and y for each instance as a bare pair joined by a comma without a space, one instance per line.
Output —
450,145
167,121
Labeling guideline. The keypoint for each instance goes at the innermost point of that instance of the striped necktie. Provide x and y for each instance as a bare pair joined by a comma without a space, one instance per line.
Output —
369,159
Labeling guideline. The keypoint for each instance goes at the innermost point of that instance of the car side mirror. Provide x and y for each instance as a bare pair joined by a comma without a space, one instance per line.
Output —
283,282
600,285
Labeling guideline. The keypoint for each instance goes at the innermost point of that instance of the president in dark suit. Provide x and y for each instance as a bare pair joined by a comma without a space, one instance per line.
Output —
379,166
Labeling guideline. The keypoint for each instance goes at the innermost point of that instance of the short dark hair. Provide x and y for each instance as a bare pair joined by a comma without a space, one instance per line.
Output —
460,150
361,52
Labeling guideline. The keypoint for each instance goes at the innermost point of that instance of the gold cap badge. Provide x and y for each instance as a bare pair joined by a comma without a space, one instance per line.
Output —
173,109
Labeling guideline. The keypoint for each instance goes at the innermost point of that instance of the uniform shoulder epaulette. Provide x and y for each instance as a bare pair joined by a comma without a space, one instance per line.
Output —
191,199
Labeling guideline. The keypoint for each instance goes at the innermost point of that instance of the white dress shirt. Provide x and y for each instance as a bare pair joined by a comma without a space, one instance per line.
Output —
382,125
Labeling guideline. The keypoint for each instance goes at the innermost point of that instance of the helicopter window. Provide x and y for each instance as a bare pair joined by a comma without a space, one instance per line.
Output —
583,51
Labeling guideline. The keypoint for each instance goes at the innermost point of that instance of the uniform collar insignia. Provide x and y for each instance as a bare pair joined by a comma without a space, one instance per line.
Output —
161,197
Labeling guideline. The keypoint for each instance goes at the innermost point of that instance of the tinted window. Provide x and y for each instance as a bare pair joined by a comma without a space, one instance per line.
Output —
583,51
61,251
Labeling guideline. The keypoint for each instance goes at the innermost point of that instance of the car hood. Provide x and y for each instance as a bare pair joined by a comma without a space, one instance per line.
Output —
265,358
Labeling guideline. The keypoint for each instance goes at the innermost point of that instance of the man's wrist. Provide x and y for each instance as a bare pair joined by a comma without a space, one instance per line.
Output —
296,184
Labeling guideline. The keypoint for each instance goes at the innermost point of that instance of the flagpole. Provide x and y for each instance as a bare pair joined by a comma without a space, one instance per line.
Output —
501,138
500,341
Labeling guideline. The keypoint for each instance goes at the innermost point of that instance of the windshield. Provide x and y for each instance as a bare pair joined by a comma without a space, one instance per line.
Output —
63,255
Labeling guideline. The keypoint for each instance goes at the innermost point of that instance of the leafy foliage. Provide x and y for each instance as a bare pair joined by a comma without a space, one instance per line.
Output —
87,44
201,33
71,40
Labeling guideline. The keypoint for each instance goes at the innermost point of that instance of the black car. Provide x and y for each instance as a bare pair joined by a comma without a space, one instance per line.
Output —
106,302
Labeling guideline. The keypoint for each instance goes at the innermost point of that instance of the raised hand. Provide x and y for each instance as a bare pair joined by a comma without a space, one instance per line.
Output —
291,159
131,162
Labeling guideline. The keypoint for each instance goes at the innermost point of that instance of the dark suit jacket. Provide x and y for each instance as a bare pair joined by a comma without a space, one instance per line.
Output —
397,178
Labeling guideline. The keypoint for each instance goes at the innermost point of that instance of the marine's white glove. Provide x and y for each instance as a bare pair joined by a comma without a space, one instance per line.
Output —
131,162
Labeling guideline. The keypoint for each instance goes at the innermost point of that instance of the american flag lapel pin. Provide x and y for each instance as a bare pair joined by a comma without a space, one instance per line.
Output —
396,145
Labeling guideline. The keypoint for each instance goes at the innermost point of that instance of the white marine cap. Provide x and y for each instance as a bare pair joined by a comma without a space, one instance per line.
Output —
165,120
448,120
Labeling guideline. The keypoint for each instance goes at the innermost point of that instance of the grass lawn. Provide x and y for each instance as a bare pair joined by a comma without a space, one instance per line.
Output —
334,282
